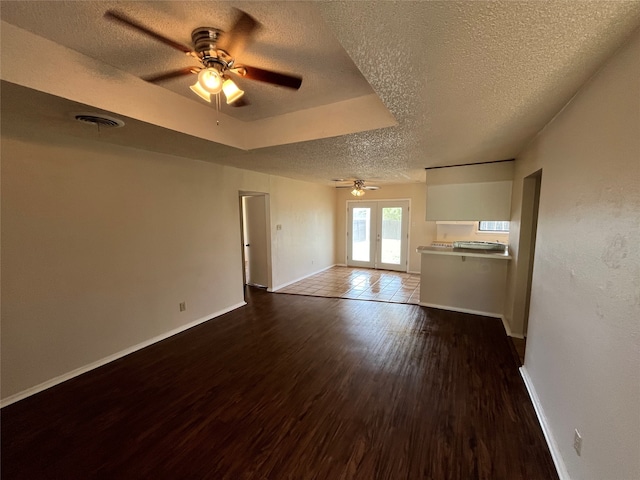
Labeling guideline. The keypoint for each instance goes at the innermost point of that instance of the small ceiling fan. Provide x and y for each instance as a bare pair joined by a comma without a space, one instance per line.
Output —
359,187
216,51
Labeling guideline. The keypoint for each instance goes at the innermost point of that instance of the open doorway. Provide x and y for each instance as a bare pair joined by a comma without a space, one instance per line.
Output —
255,235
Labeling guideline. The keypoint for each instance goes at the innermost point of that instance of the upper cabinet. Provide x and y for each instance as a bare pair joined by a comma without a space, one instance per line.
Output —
472,192
469,201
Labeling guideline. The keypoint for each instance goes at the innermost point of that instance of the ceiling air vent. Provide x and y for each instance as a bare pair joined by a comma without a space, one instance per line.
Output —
99,120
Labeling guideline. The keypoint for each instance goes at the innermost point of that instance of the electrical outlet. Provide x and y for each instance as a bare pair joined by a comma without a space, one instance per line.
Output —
183,306
577,442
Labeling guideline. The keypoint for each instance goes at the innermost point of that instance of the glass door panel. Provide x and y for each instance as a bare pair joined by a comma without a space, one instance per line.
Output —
391,235
361,238
377,234
361,249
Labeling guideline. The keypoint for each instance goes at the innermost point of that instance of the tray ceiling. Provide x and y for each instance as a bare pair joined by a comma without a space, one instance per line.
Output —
463,81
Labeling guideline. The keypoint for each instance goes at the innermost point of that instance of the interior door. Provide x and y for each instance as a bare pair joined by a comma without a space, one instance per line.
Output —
378,234
255,239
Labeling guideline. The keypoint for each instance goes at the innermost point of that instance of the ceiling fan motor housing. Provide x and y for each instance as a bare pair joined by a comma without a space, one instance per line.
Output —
205,41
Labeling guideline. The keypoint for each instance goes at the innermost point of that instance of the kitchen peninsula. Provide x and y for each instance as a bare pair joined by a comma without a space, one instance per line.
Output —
463,280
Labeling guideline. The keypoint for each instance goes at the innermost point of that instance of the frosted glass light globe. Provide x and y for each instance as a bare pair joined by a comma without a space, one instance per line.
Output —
210,80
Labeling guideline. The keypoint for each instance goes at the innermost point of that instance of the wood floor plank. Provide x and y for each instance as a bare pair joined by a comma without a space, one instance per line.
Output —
293,387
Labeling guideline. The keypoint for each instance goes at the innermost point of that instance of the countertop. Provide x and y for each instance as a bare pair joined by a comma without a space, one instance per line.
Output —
464,252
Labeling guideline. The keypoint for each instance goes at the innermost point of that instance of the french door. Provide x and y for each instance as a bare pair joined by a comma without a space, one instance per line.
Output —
377,234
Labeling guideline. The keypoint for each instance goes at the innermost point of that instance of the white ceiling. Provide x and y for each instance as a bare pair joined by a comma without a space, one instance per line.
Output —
465,81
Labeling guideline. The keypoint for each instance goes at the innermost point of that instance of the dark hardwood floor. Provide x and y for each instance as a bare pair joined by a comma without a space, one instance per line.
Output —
292,387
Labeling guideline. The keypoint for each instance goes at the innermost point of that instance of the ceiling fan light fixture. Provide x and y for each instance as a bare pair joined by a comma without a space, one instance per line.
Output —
215,51
201,92
231,91
357,192
210,80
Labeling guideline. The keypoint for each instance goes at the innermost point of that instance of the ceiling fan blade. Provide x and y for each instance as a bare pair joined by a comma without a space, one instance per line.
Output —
119,17
235,40
267,76
161,77
370,187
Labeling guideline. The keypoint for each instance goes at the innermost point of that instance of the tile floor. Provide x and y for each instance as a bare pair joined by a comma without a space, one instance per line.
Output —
361,284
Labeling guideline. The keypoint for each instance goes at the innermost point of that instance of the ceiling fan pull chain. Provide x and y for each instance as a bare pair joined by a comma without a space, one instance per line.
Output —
218,109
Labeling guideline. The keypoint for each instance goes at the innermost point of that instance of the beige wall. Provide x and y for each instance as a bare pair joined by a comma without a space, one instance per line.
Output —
420,231
100,243
305,244
583,347
464,284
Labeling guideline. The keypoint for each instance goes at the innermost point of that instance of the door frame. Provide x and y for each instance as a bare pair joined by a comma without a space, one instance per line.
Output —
267,205
378,201
531,187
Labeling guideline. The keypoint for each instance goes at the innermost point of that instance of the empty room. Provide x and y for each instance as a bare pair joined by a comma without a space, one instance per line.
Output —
320,240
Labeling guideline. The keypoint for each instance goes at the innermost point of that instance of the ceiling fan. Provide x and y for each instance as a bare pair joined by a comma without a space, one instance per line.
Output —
359,187
216,51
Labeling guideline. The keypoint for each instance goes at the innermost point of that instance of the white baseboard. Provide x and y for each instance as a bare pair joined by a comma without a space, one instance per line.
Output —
273,289
103,361
462,310
507,328
505,323
551,443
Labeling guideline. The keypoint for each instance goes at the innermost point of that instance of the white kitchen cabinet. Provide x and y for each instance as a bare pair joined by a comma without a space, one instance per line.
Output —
469,201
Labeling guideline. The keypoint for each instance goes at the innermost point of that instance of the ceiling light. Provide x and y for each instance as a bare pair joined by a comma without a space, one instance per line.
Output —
210,80
201,92
231,91
358,188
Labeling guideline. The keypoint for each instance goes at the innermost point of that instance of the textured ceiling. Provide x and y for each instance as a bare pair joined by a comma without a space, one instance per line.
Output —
466,81
292,39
